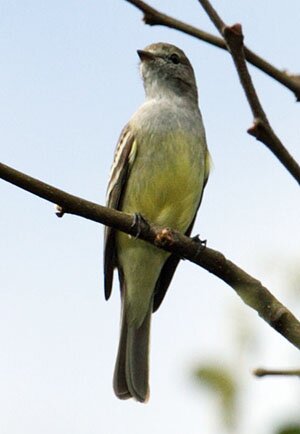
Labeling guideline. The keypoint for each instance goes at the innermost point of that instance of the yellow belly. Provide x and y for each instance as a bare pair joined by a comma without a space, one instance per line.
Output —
166,187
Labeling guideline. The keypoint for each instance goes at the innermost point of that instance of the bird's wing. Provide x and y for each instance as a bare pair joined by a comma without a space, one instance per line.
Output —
171,263
123,160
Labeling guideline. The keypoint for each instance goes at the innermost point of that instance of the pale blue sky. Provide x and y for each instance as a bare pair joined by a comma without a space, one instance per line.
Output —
69,82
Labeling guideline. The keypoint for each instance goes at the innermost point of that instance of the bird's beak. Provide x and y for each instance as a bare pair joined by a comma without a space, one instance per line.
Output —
145,55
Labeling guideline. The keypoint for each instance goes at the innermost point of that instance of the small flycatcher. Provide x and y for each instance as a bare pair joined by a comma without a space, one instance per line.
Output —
160,169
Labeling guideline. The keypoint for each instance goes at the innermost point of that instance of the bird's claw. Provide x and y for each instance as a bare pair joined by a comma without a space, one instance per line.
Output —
138,220
201,244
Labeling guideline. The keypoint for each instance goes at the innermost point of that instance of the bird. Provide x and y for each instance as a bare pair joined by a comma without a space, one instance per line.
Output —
159,172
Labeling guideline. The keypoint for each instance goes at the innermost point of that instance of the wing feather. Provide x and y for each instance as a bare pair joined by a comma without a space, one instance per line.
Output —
123,160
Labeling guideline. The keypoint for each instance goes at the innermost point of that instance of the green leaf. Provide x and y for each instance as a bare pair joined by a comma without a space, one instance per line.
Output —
289,429
221,382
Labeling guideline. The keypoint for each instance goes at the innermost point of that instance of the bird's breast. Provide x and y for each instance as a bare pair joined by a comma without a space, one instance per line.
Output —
166,178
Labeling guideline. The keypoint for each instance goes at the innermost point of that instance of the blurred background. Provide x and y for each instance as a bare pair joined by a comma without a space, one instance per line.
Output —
69,82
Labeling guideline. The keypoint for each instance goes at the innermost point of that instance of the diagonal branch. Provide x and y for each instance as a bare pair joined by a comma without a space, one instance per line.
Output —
261,128
249,289
154,17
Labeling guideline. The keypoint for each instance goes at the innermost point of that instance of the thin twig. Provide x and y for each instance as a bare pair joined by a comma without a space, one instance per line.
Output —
261,372
154,17
261,128
251,291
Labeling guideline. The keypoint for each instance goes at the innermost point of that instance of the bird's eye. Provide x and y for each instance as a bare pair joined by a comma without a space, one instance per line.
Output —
174,58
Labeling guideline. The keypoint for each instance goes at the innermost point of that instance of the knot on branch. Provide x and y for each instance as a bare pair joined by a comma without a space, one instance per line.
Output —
234,34
259,129
295,78
278,319
151,19
259,372
164,238
59,211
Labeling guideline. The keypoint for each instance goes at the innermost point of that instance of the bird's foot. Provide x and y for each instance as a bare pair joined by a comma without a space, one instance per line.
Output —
138,221
201,244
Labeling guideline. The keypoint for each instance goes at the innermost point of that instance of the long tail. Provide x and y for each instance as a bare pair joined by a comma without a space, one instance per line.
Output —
131,376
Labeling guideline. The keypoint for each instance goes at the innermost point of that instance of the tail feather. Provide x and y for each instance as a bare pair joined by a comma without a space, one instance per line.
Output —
119,381
131,376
